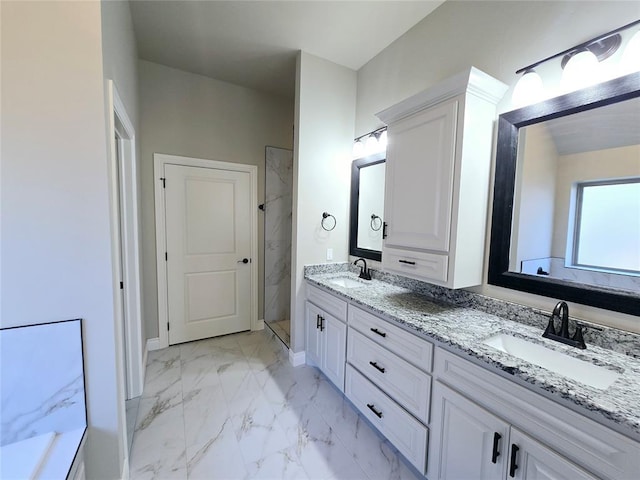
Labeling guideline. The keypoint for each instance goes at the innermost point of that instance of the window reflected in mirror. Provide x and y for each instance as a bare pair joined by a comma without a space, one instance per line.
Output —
576,213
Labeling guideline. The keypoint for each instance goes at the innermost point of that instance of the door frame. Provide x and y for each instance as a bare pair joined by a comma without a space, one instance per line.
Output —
159,161
127,258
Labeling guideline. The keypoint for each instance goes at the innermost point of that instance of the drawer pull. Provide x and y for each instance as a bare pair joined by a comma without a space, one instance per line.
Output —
407,262
317,321
377,367
496,453
514,466
375,330
372,407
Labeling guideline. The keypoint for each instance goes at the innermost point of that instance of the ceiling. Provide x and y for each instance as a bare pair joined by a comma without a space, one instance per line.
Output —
254,43
612,126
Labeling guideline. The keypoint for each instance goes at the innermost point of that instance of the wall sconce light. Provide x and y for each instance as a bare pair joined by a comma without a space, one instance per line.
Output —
528,90
370,143
582,66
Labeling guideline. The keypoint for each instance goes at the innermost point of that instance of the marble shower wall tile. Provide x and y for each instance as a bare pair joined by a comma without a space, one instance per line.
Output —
277,233
42,380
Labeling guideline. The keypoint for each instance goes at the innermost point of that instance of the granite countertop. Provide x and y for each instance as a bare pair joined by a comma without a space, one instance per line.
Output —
464,330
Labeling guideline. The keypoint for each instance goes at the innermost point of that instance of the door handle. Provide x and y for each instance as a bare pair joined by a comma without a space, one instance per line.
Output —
377,367
318,321
514,466
322,324
372,407
495,454
244,260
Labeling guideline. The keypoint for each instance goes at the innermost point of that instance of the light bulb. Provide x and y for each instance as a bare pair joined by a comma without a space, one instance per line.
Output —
630,61
382,142
528,90
371,146
358,149
582,70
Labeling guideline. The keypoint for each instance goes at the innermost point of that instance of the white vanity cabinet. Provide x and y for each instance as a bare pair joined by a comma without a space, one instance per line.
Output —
326,333
478,417
437,180
391,391
475,444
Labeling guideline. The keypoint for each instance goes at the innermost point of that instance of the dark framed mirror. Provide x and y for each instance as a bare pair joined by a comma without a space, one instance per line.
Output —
367,207
590,129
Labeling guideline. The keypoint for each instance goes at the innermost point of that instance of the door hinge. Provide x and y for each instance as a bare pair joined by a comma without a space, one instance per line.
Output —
164,182
166,257
121,285
168,328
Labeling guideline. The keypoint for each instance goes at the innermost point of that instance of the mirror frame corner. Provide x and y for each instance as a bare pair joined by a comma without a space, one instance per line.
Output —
509,123
356,165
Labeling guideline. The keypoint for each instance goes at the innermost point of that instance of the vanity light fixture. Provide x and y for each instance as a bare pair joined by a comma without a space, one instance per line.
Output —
630,61
370,143
528,90
581,70
582,65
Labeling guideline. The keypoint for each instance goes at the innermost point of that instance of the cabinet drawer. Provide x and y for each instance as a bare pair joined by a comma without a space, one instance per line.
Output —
403,382
416,264
412,348
327,302
406,433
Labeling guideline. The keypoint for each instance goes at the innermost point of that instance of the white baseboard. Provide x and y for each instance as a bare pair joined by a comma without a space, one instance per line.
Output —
259,325
296,358
153,344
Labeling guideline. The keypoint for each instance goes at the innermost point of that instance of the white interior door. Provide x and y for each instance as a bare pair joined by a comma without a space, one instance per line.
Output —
208,238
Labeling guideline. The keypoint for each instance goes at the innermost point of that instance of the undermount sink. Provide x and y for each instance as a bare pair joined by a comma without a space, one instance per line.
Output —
560,363
346,282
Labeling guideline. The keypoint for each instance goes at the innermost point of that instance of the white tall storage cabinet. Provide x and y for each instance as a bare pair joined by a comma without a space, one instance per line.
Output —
437,180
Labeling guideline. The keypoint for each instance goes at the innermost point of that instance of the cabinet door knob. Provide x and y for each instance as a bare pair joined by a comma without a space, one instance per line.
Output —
322,324
384,230
495,454
514,454
372,407
318,321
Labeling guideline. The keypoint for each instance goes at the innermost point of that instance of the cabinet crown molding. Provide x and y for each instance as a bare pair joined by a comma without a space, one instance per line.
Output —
472,81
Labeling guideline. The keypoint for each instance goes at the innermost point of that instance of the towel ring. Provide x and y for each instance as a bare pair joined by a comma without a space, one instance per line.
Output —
326,215
375,217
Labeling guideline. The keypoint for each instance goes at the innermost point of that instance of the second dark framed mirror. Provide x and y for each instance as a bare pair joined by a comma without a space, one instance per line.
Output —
367,207
591,138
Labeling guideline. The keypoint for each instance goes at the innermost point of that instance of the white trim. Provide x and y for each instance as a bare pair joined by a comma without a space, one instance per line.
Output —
159,161
130,253
297,358
125,469
259,325
154,344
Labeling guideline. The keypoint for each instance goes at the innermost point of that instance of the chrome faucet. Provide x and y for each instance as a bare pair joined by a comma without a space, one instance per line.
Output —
365,273
561,311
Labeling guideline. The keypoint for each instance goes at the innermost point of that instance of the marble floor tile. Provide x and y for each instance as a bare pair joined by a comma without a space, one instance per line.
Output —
233,407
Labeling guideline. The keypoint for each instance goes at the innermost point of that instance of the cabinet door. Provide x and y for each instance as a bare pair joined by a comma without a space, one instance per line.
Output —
467,441
334,346
313,339
419,179
534,461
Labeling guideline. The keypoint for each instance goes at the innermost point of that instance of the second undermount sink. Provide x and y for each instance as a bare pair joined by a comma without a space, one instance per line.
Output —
346,282
560,363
